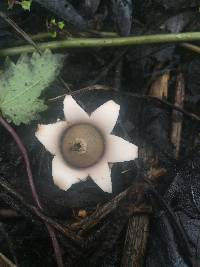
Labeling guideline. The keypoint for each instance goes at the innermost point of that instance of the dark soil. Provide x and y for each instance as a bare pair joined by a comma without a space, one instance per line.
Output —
145,122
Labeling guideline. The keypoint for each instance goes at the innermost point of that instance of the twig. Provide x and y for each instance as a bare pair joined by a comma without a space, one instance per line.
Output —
9,242
5,262
191,47
145,97
8,213
105,42
24,154
172,106
137,227
116,59
83,90
177,117
135,244
100,213
62,229
20,31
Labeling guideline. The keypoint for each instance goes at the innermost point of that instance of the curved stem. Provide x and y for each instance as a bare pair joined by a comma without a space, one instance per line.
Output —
24,154
193,48
104,42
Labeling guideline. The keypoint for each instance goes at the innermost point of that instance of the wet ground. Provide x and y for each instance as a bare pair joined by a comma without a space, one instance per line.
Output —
170,161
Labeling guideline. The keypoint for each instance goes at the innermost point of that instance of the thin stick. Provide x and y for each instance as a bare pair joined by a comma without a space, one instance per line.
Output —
177,117
62,229
19,31
10,244
100,213
25,157
191,47
145,97
5,262
105,42
24,154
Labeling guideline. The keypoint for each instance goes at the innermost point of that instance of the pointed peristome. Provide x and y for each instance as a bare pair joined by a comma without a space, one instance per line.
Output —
74,143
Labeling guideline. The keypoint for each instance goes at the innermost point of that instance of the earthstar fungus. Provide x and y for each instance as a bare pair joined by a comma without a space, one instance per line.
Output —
83,145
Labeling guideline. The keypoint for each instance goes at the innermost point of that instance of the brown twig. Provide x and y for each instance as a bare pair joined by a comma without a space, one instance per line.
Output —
24,154
5,262
177,117
8,213
137,227
82,91
100,213
144,97
135,244
35,211
191,47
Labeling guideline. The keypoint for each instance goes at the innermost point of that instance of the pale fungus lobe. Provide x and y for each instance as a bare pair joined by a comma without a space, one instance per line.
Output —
83,145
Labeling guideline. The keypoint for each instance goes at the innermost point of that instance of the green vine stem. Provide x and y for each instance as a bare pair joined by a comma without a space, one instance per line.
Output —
104,42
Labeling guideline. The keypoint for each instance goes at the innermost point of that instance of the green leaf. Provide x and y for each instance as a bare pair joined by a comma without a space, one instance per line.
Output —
53,34
22,83
61,25
26,4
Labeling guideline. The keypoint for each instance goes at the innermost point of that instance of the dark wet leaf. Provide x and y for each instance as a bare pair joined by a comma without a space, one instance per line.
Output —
155,128
184,193
171,4
66,11
183,196
4,34
123,12
91,6
177,23
162,247
193,81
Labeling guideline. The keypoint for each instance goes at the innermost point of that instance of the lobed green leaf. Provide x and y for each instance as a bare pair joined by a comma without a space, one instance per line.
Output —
22,84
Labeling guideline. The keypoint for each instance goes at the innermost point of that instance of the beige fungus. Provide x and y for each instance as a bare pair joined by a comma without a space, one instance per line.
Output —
83,145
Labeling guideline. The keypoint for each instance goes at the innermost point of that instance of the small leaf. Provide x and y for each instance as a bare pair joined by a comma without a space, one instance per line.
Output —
53,21
61,25
22,83
53,34
26,5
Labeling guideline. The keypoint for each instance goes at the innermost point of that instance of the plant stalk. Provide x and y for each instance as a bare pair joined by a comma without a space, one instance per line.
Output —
104,42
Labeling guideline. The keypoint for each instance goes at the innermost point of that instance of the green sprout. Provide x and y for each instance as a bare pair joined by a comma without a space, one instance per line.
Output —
61,25
54,27
26,4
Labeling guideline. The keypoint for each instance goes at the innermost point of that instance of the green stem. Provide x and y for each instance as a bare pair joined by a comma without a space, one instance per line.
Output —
105,42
